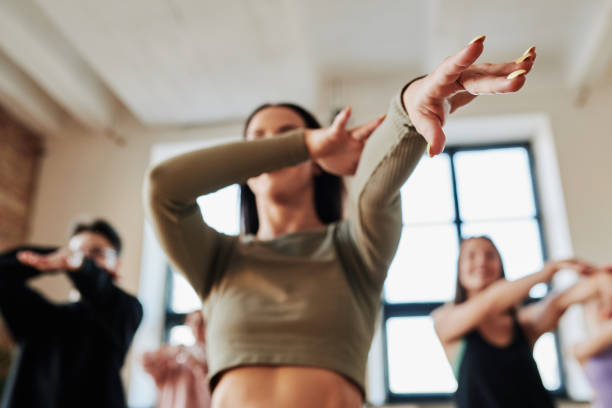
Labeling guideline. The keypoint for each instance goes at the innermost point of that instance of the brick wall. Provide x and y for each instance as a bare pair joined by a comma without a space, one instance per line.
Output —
20,153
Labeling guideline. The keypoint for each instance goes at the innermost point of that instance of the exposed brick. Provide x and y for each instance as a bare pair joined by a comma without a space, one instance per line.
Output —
20,153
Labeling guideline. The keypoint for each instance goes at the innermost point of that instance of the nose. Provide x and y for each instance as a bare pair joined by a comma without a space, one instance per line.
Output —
480,260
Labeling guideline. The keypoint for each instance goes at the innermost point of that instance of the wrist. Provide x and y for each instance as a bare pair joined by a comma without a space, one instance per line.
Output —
312,140
408,91
308,141
549,270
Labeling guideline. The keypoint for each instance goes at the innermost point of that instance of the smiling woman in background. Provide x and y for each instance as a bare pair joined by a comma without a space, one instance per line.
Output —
291,304
488,338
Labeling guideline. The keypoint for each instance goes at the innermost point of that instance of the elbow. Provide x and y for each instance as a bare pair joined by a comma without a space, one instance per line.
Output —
155,184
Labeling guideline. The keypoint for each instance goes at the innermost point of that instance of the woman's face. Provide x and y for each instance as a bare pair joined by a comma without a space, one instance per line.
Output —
479,265
284,183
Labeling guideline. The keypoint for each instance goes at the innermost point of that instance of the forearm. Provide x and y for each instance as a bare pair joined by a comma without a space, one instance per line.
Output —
389,157
580,292
184,178
12,271
595,345
504,294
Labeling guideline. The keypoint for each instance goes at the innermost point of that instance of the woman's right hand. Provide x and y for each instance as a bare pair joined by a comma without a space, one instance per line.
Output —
336,149
455,83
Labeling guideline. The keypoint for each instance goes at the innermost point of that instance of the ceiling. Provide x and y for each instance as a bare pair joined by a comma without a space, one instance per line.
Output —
193,62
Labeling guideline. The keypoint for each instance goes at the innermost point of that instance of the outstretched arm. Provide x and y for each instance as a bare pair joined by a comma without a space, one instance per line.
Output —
599,342
415,119
544,316
451,321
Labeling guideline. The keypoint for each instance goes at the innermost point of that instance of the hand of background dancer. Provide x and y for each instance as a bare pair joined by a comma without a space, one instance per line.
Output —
337,149
456,82
578,265
65,259
61,260
604,278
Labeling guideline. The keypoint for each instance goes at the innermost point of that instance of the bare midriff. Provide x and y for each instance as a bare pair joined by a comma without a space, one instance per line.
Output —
285,386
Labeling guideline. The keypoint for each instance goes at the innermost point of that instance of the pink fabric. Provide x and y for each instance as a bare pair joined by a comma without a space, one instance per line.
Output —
180,375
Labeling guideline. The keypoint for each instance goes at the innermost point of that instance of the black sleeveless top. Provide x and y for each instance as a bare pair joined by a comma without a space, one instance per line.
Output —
499,377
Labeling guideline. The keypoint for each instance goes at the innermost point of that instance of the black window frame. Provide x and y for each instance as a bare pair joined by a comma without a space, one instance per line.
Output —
171,318
423,309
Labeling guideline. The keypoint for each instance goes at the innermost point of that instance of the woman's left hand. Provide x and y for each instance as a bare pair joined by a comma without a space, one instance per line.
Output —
337,149
456,82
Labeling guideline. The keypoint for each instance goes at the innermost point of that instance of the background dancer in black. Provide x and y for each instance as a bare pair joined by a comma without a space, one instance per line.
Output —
71,354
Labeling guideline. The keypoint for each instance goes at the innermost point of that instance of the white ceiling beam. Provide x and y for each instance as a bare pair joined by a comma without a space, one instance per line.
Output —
27,102
33,44
594,57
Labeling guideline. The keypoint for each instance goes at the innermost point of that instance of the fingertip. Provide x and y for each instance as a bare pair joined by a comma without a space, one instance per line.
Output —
434,150
347,111
24,255
517,73
479,39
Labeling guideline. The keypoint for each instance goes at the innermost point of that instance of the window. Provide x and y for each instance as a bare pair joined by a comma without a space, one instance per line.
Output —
220,211
467,191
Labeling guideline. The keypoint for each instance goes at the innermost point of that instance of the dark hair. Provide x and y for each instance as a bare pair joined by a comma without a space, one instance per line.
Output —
327,186
460,292
101,227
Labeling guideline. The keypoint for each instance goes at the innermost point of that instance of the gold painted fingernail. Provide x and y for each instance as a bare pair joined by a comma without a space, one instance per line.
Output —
382,117
529,50
429,150
479,38
516,73
523,58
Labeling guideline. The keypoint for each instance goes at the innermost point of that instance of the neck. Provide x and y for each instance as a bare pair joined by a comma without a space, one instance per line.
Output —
286,216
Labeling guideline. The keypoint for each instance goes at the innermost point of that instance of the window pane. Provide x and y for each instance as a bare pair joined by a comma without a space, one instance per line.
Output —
220,209
519,245
416,360
545,355
494,184
181,335
427,196
184,298
424,267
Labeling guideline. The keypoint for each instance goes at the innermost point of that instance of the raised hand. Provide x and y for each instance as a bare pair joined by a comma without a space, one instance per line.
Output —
456,82
61,260
337,149
578,265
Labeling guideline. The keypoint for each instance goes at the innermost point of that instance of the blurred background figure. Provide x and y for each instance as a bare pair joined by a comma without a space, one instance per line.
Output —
180,372
488,335
70,354
595,353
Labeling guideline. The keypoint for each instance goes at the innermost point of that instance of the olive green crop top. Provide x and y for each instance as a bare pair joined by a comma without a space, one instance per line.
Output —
309,298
